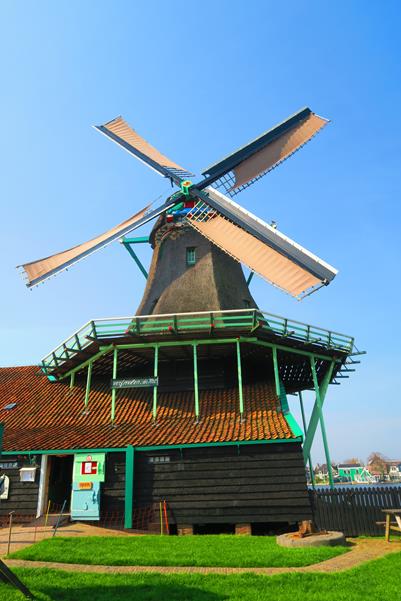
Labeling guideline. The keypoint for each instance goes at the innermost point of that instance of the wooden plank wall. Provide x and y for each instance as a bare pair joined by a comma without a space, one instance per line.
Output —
113,488
23,496
231,484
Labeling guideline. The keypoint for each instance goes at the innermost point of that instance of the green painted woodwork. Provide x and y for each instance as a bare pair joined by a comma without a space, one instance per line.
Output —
1,437
103,351
314,419
138,240
65,451
288,416
312,475
276,373
88,384
113,390
155,374
203,322
72,380
80,458
185,187
294,351
191,255
207,341
154,448
137,260
319,405
129,486
196,386
239,369
250,276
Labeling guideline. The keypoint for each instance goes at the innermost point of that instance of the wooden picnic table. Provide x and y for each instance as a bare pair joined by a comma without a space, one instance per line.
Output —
395,525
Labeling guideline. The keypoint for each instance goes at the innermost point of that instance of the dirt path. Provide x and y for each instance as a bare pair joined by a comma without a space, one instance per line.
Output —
362,550
23,536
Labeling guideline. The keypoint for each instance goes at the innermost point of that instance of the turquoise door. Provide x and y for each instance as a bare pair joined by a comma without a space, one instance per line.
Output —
85,503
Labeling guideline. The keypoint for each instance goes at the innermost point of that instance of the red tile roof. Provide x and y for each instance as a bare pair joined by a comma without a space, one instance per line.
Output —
49,415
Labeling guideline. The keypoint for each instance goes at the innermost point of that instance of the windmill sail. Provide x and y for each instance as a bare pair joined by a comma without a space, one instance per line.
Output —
259,246
42,269
122,134
253,161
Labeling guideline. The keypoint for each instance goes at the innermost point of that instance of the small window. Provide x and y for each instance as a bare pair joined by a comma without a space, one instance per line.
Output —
159,459
191,255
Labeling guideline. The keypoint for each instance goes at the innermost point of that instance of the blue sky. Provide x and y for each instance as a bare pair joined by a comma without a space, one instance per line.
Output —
199,79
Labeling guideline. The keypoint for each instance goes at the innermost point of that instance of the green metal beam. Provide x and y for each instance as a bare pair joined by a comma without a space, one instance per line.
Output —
249,280
199,342
295,351
314,419
64,451
103,351
136,258
276,373
301,402
152,448
88,384
239,369
196,386
138,240
129,486
155,374
72,380
320,392
113,390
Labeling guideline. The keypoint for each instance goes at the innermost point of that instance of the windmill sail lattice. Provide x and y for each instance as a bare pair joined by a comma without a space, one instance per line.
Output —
259,246
122,134
241,235
40,270
248,164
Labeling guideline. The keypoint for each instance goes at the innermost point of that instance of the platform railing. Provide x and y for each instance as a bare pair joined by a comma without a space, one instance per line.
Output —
250,320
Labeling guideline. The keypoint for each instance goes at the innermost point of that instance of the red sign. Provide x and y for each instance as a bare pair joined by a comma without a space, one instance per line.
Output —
89,468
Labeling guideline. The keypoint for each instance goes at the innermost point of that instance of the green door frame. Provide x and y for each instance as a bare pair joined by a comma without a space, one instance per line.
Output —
129,485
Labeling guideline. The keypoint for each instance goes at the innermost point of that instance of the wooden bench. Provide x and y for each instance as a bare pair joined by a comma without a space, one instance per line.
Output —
389,525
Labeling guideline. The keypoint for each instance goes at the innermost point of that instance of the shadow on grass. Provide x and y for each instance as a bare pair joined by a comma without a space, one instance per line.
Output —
128,592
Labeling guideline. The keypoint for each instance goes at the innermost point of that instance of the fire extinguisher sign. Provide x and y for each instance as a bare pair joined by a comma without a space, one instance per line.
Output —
89,467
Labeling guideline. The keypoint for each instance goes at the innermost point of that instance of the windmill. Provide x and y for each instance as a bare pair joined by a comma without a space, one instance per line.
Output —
232,235
217,369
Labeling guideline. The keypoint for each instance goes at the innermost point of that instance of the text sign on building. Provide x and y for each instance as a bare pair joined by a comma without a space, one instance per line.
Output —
135,383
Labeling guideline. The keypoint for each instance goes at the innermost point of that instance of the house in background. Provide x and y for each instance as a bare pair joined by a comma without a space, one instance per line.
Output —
394,470
355,473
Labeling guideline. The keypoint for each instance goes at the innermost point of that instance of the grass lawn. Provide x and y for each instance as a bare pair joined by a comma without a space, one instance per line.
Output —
377,581
222,550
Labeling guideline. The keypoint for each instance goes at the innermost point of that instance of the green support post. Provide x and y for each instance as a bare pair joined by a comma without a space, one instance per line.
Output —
129,485
276,374
196,387
137,260
250,276
88,385
72,380
239,368
314,419
113,390
301,402
155,374
319,405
